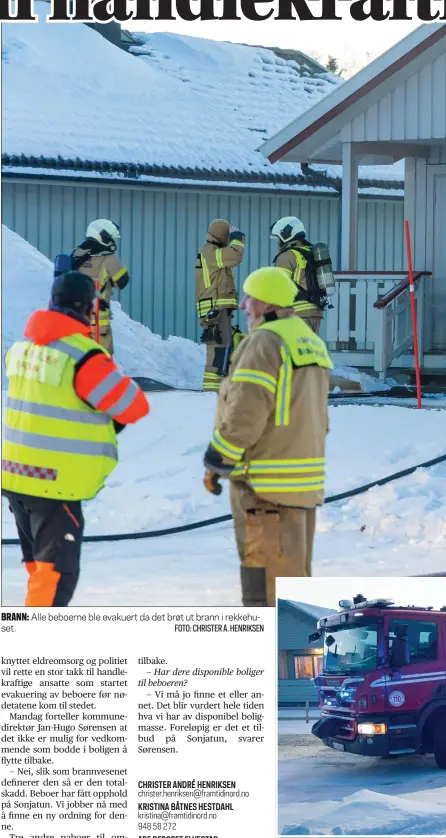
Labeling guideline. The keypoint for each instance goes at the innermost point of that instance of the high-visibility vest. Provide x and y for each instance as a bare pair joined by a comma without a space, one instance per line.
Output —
301,348
54,444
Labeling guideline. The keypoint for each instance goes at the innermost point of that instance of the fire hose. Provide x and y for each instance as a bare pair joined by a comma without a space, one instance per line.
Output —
222,518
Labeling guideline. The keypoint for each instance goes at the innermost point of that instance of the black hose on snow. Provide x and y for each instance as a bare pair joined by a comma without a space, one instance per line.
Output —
222,518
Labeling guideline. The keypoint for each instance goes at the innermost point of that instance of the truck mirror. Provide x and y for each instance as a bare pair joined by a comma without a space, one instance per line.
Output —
313,637
400,652
329,640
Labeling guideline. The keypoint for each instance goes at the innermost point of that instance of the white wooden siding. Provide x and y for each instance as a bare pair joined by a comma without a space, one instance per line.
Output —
414,110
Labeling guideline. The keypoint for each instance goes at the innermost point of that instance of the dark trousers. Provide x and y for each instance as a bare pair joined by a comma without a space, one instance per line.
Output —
50,534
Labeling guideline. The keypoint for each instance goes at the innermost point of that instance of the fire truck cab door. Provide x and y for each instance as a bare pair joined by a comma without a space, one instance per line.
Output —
411,686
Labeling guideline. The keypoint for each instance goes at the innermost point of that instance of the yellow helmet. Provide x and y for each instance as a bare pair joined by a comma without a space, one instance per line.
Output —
271,285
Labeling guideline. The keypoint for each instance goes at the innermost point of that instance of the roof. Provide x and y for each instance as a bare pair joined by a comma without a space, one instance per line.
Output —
315,134
314,611
173,106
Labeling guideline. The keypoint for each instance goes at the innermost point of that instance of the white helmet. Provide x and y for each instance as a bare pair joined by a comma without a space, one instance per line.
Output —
287,229
103,230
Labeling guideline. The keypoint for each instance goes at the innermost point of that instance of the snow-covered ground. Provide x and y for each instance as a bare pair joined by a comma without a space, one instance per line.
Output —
399,529
323,792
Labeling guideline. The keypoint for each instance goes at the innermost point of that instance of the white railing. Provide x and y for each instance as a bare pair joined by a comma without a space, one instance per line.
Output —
357,332
395,334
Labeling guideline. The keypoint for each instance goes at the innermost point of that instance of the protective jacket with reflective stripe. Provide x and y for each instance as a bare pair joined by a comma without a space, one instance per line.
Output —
215,282
54,444
272,416
293,261
106,270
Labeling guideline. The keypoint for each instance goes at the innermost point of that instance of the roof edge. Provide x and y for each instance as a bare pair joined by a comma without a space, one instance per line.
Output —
135,170
351,98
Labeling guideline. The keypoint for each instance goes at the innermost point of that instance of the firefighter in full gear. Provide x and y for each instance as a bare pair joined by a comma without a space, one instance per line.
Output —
292,257
96,257
217,295
269,437
66,402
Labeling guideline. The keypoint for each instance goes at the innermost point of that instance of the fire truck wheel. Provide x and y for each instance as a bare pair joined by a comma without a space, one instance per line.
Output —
440,744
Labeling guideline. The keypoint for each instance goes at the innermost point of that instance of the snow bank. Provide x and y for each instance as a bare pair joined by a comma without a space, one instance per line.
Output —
371,813
175,361
177,82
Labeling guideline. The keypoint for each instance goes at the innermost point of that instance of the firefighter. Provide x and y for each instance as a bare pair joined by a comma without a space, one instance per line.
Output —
293,247
217,295
269,437
66,402
96,257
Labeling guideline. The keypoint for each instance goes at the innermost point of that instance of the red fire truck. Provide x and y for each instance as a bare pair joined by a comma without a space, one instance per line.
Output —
382,690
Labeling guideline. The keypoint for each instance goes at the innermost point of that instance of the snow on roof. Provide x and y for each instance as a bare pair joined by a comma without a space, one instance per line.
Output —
314,611
175,103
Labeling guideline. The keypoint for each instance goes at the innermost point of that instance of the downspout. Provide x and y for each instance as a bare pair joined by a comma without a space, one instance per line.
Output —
322,179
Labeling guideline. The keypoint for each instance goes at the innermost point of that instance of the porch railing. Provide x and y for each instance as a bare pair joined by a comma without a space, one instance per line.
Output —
359,331
395,333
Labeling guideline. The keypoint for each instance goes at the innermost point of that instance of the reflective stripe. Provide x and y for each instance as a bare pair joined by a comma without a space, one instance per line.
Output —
233,452
283,400
305,307
104,387
218,258
118,275
125,401
237,243
287,481
224,301
24,470
205,306
280,487
206,278
307,466
65,446
51,412
255,377
67,349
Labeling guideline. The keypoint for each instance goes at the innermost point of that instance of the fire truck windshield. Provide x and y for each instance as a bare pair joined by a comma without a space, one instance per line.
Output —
351,650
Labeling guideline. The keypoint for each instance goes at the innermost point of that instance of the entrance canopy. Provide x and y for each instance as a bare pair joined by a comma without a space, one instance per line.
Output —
393,108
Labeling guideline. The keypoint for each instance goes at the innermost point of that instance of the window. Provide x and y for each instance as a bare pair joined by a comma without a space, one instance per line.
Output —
307,666
283,664
422,636
318,665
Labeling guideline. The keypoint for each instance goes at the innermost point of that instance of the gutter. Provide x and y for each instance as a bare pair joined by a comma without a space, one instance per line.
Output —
134,171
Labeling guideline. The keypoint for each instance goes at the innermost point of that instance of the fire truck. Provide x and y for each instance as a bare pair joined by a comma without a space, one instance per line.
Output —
382,690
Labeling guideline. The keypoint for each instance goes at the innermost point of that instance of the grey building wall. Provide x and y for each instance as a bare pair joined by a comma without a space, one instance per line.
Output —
294,628
162,229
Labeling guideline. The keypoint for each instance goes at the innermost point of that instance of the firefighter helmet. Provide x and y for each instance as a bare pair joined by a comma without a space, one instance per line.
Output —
287,229
271,285
103,230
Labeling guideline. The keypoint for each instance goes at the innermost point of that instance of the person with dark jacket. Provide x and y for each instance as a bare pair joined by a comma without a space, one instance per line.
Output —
66,402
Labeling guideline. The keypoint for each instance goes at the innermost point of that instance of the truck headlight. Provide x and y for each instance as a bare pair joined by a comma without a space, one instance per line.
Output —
370,729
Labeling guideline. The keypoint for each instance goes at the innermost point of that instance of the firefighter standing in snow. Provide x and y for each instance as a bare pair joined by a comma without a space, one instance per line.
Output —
294,251
269,437
217,295
66,402
96,257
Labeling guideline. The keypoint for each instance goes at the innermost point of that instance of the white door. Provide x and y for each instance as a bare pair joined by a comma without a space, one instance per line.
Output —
439,263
